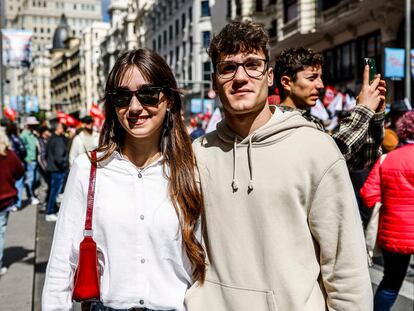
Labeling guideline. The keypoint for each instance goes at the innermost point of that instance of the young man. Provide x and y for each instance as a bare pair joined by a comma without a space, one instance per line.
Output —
282,229
298,76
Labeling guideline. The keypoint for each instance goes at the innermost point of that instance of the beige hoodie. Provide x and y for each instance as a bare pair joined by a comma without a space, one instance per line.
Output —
282,225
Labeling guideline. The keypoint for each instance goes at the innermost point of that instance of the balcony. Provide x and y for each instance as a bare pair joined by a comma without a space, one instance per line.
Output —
344,7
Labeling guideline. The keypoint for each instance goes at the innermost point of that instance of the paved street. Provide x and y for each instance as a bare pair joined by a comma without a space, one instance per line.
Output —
28,241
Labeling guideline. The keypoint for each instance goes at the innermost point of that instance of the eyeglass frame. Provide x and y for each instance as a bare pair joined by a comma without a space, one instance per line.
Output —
238,64
136,92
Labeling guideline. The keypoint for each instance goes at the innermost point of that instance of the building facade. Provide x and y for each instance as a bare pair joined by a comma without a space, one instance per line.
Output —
90,57
180,31
345,31
42,18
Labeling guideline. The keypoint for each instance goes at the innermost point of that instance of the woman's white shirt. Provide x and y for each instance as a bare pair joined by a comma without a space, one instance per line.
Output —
136,229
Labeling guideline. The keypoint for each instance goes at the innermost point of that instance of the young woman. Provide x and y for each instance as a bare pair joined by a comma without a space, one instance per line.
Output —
392,184
147,202
11,169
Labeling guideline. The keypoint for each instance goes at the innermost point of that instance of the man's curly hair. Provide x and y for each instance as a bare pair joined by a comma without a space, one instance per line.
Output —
236,37
292,60
405,126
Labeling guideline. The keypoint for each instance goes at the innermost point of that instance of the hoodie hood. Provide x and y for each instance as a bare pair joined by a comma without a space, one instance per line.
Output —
275,129
279,126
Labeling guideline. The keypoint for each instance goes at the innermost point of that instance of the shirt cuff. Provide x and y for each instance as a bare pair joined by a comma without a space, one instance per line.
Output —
378,118
364,110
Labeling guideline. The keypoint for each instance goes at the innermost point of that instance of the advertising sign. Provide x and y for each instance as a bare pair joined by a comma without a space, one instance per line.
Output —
199,105
394,63
17,47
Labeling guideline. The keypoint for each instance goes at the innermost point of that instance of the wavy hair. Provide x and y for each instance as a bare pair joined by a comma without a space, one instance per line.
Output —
184,191
4,142
405,126
291,61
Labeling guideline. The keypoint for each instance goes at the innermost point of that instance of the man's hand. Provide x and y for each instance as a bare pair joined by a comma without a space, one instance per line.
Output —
372,95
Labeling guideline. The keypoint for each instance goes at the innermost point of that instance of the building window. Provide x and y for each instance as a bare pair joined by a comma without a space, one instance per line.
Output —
259,6
164,37
177,53
228,8
273,29
190,14
205,8
190,72
207,72
190,42
170,32
171,58
159,42
154,45
206,39
183,21
290,9
238,7
184,47
327,4
177,27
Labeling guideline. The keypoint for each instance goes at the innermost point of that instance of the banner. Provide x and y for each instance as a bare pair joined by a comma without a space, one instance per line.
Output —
17,47
394,63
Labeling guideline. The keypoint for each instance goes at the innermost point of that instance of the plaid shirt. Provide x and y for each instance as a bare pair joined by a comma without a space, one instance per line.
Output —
359,136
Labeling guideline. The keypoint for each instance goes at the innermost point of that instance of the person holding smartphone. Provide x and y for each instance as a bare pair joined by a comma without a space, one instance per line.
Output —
147,201
298,76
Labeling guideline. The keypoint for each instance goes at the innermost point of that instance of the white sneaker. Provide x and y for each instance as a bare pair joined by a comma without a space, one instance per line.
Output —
59,198
3,271
34,201
51,217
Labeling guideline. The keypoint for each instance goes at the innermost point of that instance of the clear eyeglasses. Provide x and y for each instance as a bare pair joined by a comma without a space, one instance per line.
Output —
254,68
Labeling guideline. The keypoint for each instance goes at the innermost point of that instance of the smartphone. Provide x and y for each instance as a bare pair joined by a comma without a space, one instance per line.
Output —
372,68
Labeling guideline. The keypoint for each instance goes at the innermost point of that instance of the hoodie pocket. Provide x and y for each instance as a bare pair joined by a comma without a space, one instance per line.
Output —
220,297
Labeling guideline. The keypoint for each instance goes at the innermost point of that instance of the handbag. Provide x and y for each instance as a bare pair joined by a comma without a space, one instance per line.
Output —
86,284
371,231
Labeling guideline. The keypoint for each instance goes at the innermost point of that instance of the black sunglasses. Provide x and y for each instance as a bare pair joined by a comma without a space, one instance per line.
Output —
148,95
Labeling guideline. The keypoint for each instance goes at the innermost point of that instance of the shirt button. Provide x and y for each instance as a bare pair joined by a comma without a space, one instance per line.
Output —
139,175
142,260
141,302
142,217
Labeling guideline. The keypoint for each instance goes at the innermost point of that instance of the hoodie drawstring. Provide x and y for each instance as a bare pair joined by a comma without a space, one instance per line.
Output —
234,183
249,157
250,161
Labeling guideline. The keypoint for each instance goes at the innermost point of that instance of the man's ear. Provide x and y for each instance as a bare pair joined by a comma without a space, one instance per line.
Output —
214,79
285,81
270,76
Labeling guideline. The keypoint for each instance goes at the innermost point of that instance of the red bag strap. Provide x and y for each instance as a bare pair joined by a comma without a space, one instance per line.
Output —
91,196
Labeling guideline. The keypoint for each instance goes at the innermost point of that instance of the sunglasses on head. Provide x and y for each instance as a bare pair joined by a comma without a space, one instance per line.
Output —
147,95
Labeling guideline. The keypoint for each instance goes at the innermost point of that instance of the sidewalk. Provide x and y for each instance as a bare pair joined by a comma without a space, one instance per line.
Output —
16,286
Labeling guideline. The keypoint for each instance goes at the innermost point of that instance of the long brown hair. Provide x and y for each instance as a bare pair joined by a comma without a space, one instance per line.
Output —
176,146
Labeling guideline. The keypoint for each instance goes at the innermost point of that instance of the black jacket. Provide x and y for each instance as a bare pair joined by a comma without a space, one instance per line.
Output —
57,154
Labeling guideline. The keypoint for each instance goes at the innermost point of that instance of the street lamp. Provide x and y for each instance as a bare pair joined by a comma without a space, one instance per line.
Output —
407,50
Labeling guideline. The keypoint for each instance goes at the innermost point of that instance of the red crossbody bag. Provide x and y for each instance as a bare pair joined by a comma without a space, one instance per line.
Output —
86,284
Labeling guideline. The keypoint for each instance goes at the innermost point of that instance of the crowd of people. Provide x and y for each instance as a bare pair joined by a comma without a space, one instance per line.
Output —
34,156
265,213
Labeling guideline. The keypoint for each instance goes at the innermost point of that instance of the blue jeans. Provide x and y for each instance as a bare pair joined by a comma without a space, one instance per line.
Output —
395,269
56,183
3,224
98,306
19,184
30,178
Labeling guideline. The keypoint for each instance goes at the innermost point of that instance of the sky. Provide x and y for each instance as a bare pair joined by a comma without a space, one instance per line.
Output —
105,15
